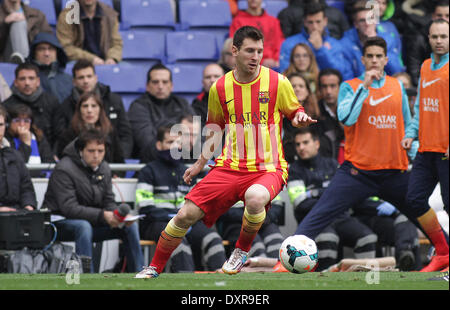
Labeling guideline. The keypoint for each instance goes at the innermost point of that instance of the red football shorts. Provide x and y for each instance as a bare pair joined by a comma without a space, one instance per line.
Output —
222,188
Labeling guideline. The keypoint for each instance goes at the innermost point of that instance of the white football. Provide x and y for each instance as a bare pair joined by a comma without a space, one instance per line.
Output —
298,254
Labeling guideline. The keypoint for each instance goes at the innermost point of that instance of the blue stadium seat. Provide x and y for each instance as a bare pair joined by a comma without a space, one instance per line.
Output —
187,78
46,6
123,77
204,13
7,70
272,7
339,4
191,45
143,44
64,3
147,13
128,98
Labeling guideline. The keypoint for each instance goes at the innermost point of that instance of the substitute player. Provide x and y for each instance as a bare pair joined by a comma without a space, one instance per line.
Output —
375,112
247,103
430,125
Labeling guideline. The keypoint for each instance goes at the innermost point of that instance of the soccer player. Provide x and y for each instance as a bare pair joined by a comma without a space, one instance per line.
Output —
375,112
248,103
430,125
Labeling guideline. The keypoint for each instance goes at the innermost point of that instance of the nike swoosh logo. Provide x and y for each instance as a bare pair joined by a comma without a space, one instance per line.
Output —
426,84
227,102
378,101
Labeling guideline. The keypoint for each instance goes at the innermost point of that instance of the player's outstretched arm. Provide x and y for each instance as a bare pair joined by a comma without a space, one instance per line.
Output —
301,119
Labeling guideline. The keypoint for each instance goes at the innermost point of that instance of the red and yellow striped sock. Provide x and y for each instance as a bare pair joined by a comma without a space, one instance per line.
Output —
169,240
433,229
251,223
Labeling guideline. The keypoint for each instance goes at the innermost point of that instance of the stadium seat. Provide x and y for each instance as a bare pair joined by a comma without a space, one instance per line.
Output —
141,44
202,13
7,70
128,99
272,7
187,78
339,4
46,6
147,13
190,45
64,3
123,77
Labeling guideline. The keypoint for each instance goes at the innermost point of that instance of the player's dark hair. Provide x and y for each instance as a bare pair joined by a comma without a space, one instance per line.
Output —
82,64
330,71
158,66
87,136
441,3
246,32
26,66
3,112
375,41
314,7
437,21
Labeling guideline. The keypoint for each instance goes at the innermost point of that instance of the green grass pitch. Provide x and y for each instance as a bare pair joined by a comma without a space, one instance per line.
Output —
217,281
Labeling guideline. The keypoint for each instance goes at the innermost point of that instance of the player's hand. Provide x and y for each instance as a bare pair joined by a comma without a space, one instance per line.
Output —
370,76
446,153
301,119
191,172
315,38
407,143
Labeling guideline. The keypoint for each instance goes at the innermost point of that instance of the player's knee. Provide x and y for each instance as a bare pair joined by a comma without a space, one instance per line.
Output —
188,215
256,198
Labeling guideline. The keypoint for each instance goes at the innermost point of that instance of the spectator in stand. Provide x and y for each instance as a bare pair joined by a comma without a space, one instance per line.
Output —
47,54
96,37
308,100
16,188
302,60
90,114
354,38
154,108
27,90
80,192
328,51
329,125
227,60
5,91
19,24
160,194
387,27
269,25
24,136
211,73
417,48
291,18
405,78
86,80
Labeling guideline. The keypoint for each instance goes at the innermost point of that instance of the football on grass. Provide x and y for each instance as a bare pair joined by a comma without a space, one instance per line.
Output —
298,254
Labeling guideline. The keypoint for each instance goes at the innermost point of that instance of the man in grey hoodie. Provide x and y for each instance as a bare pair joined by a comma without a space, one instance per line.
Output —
48,55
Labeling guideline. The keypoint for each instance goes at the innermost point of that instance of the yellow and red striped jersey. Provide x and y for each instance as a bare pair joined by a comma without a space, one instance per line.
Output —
252,116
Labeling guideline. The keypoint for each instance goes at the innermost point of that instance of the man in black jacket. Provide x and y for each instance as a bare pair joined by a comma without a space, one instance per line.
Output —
157,106
80,191
16,189
84,80
27,90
